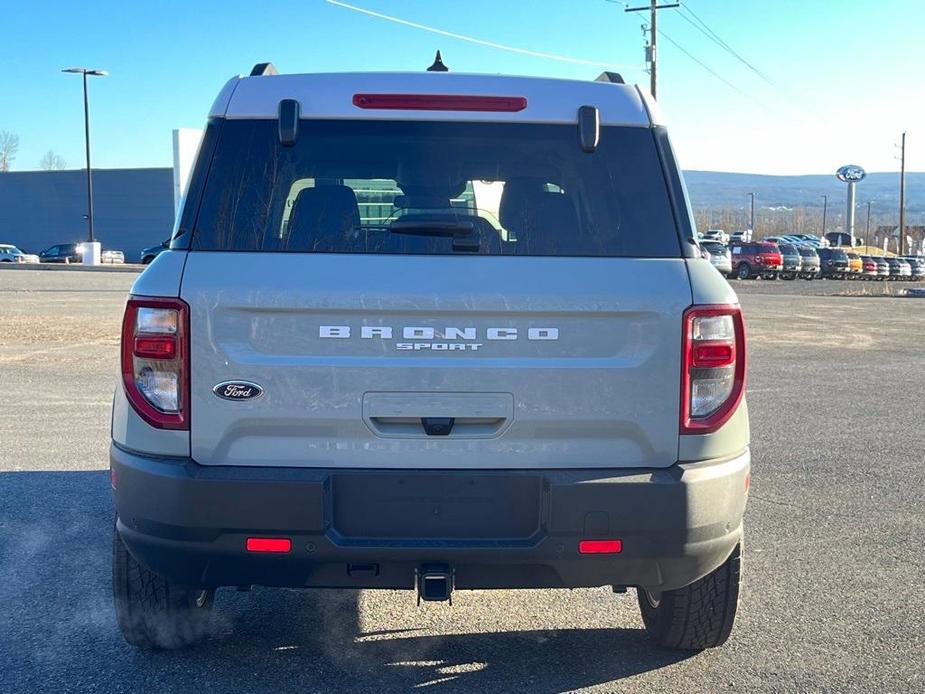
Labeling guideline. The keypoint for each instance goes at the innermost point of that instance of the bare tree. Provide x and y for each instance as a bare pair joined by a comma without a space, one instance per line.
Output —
9,146
52,161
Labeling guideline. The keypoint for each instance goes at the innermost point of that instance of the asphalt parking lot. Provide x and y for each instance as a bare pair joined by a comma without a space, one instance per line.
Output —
834,565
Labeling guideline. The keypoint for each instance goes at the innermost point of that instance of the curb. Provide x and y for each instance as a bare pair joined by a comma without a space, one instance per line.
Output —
76,267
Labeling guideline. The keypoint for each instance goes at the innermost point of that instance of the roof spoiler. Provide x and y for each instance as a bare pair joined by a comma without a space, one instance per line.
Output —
264,70
612,77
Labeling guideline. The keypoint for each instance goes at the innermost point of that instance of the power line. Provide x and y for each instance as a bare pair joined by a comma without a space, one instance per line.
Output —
704,28
702,64
480,42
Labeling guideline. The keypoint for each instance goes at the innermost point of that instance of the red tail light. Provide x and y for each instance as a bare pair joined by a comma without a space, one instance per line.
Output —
713,367
440,102
155,360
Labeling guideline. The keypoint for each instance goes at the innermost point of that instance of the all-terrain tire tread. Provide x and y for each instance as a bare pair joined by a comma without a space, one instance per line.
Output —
151,613
700,615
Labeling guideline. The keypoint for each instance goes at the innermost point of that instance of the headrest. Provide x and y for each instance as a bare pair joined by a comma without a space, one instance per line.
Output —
321,215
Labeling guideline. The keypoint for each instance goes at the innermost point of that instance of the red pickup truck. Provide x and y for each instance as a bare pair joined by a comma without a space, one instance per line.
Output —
756,259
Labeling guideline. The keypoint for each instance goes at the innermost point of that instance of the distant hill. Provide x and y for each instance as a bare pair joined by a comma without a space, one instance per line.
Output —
716,189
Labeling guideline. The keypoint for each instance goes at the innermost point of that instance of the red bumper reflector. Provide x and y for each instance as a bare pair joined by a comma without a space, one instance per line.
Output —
600,546
440,102
268,544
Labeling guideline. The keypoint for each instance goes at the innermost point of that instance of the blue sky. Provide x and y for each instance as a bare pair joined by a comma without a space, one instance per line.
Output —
847,74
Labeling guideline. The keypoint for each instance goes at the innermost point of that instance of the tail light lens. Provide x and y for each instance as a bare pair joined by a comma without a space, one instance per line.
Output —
713,367
155,360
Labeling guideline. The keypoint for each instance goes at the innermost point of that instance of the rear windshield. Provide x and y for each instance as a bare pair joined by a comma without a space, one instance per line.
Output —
808,252
435,188
787,249
839,255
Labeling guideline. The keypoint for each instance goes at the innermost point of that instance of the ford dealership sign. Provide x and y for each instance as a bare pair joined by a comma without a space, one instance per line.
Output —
851,173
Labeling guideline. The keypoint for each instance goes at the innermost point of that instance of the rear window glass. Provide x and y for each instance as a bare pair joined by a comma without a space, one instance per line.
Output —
808,252
435,188
787,249
839,255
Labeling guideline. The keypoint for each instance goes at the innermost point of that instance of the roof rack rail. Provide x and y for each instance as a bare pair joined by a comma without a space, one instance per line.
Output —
612,77
263,70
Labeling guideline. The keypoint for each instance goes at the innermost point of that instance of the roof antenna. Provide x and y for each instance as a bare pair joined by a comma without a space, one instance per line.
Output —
438,65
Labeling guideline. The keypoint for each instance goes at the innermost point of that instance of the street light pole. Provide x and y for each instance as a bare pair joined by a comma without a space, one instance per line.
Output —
867,233
825,209
751,223
96,73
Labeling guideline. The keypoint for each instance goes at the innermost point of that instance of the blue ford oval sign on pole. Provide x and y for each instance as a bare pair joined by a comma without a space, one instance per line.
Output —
850,174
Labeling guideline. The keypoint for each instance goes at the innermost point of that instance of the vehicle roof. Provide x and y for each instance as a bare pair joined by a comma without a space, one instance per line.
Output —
330,95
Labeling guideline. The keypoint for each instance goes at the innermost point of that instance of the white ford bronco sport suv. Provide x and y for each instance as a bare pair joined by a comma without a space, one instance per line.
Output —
431,331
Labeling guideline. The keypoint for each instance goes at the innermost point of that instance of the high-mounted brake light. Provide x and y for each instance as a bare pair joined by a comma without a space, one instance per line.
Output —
155,360
440,102
713,367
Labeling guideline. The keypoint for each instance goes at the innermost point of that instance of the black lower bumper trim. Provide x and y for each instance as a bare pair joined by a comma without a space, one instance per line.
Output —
493,529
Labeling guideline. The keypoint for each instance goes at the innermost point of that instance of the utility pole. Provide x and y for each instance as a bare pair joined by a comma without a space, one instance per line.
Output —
651,57
902,194
867,233
825,208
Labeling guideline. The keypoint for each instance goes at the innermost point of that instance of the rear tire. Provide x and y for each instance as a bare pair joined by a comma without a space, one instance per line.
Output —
697,616
153,613
744,271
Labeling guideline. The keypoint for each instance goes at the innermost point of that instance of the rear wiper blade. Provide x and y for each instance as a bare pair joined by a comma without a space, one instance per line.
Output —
448,227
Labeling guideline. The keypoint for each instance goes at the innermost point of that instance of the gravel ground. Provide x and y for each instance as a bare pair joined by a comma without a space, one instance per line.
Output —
835,573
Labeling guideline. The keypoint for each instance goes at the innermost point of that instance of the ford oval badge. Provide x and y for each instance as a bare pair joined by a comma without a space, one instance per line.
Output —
237,390
850,173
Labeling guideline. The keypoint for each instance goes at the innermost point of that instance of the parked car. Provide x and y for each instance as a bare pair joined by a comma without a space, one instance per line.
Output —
151,252
833,262
756,259
792,262
840,238
809,262
343,436
719,256
62,253
883,268
917,266
868,267
855,265
11,254
899,269
716,235
744,235
112,257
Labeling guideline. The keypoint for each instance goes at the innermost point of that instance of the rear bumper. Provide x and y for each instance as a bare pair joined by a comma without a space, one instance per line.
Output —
375,528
